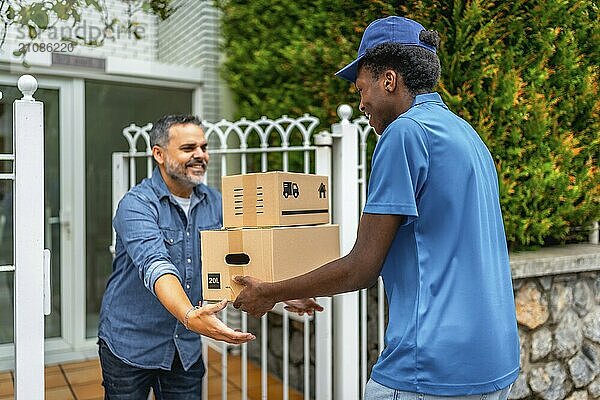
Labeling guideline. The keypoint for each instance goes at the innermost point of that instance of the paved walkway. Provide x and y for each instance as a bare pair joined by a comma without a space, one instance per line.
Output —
82,381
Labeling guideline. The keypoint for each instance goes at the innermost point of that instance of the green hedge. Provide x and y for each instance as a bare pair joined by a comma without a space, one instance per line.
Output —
523,73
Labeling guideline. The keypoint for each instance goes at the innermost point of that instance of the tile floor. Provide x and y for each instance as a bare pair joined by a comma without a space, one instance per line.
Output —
73,381
82,381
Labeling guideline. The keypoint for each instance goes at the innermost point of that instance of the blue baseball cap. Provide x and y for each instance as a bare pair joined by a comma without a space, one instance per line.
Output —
385,30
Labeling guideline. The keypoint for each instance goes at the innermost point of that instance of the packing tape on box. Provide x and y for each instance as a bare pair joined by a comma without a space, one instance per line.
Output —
235,241
235,244
250,196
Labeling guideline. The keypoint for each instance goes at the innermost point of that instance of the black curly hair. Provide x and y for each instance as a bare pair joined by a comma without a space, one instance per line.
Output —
420,68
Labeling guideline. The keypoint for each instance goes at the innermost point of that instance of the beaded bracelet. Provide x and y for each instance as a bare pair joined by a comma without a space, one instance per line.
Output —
187,316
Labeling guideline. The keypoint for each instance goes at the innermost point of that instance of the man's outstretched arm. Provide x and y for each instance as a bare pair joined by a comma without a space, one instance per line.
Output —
200,320
357,270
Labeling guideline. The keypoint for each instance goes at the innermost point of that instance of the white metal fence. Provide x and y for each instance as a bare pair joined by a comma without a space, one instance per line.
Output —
244,146
341,331
238,153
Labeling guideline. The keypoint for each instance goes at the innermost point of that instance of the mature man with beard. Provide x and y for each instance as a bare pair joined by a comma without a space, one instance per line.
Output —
151,319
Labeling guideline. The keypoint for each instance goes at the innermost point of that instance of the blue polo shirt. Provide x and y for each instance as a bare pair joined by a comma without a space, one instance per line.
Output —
452,327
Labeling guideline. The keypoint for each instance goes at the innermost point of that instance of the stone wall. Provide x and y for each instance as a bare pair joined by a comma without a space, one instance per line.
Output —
559,328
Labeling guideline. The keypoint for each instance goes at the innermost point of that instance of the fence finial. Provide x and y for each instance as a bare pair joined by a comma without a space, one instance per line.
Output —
27,84
323,138
344,111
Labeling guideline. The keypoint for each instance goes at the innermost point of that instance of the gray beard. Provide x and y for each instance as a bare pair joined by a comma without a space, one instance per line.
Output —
177,173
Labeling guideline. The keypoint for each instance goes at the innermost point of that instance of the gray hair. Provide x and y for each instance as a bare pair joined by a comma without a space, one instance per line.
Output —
159,135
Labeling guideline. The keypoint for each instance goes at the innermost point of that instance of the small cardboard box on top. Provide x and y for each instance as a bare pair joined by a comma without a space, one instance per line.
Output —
269,254
274,199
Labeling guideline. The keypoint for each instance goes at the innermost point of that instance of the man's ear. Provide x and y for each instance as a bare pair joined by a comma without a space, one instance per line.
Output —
390,80
158,154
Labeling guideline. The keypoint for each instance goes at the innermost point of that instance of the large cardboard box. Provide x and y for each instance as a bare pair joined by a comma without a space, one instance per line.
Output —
275,199
269,254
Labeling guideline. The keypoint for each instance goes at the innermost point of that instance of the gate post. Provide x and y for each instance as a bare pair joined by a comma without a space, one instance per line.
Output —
323,320
28,139
346,213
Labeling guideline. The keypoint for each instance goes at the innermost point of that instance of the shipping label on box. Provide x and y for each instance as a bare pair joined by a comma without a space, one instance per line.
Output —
275,199
269,254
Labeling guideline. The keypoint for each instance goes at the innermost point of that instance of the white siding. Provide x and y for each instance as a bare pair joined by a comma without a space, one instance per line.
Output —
190,37
144,49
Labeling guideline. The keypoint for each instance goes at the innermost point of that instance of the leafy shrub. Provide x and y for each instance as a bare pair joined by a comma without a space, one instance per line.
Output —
523,73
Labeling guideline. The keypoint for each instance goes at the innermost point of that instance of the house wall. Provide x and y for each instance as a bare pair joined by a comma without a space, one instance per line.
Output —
123,45
190,37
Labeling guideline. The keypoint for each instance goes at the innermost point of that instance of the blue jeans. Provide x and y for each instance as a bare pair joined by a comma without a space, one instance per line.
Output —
122,381
376,391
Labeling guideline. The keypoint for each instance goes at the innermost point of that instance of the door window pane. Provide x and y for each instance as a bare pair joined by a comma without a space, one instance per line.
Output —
109,108
52,237
6,258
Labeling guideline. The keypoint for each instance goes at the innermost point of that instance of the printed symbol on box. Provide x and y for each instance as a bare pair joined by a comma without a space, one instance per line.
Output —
290,188
214,281
322,191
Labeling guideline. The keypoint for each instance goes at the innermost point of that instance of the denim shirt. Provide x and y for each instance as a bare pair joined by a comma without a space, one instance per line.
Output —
154,238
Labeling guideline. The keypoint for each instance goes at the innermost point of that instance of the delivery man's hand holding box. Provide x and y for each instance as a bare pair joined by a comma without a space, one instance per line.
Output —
276,227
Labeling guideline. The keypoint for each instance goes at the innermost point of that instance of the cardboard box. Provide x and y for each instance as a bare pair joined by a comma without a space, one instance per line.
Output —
275,199
269,254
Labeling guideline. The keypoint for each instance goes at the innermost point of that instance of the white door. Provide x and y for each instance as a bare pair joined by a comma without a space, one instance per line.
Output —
57,96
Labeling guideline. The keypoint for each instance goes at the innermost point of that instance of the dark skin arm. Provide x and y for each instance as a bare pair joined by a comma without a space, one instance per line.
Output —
357,270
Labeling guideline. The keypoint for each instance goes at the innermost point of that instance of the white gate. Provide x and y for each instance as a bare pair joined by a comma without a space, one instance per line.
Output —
342,330
236,151
31,263
254,146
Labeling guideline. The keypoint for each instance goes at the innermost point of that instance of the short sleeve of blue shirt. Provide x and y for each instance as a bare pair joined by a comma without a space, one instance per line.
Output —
399,174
